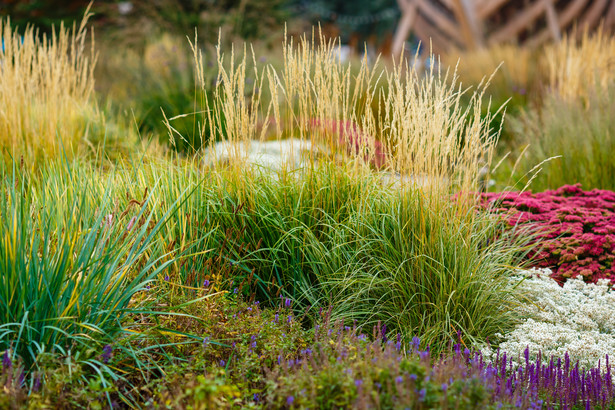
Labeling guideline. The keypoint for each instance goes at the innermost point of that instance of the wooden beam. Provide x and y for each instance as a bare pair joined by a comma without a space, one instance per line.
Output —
431,37
552,22
610,16
440,19
409,10
565,18
517,24
488,7
597,10
470,27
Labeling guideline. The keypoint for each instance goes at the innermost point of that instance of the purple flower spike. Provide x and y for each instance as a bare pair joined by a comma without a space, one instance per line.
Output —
106,354
37,383
400,379
358,382
166,278
7,363
416,343
206,283
290,400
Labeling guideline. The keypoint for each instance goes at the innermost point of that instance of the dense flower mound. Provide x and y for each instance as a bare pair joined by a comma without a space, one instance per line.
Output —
576,228
575,319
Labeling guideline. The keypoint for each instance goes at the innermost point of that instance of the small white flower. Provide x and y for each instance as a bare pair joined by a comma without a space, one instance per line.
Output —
576,318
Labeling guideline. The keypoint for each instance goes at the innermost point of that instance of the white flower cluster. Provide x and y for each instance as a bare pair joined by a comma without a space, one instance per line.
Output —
576,318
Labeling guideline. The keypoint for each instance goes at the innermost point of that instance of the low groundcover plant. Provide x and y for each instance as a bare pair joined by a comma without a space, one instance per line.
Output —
250,356
576,228
574,319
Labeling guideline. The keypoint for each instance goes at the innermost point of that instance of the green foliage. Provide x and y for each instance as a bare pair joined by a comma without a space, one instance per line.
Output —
61,381
580,136
158,82
248,20
330,237
69,268
43,13
354,17
420,268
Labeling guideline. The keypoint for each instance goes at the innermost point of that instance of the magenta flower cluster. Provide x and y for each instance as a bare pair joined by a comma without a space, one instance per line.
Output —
576,228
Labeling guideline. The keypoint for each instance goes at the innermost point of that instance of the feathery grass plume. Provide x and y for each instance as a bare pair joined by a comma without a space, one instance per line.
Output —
47,85
421,129
379,242
577,69
581,133
517,78
518,68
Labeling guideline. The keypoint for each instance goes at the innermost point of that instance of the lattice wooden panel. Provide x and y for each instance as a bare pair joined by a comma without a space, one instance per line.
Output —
476,23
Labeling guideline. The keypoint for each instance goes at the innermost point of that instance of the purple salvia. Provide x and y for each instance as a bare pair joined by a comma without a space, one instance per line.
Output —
106,354
416,343
36,386
7,363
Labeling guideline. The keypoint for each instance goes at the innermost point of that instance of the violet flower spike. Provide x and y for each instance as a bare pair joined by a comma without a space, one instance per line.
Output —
106,354
7,363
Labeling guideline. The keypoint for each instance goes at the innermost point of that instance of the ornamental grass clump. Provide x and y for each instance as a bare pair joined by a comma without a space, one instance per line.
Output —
47,88
571,125
70,269
570,75
368,216
577,136
420,130
576,229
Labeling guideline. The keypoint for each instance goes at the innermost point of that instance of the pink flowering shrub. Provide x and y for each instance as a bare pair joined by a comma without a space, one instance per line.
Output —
576,228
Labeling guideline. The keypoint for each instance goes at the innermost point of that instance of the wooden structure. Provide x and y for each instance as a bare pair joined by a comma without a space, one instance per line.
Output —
470,24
